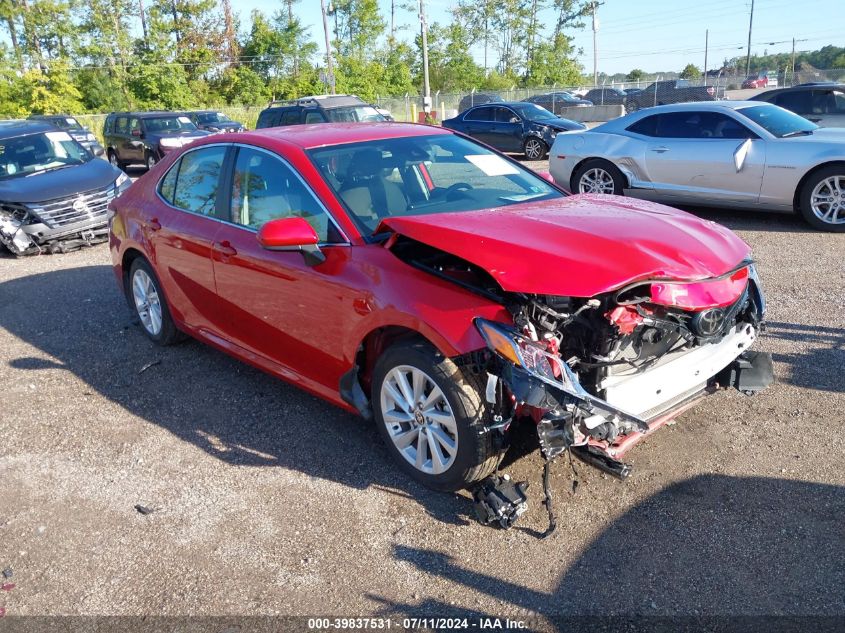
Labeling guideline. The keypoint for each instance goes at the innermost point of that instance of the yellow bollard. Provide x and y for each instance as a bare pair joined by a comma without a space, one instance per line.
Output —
413,113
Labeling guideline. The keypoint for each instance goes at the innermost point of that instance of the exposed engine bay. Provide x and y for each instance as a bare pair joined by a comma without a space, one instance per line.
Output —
24,233
596,374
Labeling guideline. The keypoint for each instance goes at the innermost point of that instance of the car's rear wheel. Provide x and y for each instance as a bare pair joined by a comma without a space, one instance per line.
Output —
112,155
632,106
431,417
146,297
598,176
822,199
534,149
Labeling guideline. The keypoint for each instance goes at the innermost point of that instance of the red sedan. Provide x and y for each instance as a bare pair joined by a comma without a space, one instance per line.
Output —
419,278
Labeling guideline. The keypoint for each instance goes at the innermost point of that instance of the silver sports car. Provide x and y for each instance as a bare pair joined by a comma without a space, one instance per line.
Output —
743,154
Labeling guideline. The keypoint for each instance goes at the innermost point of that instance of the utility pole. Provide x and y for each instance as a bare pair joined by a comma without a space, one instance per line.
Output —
329,64
143,19
595,47
792,75
706,42
424,33
748,57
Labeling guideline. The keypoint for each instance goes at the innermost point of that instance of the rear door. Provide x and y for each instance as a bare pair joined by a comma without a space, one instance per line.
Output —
705,156
182,233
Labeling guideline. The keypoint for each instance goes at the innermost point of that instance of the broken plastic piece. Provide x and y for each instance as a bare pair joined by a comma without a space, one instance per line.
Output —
499,500
144,509
7,573
7,586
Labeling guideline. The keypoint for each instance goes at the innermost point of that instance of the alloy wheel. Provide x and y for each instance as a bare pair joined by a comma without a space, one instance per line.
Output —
147,302
419,420
596,180
151,161
533,149
113,159
827,200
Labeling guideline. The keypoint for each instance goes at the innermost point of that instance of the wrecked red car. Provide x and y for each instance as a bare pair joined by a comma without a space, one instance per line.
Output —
416,277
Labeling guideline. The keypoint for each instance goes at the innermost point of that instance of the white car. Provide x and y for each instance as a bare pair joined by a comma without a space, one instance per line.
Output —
742,154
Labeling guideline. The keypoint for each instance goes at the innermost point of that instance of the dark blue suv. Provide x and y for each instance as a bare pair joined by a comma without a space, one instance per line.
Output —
513,127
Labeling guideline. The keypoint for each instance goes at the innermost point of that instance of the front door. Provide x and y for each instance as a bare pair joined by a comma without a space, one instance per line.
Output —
705,156
276,305
506,134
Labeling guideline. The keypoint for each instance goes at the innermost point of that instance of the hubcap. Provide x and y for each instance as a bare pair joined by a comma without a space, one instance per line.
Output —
113,159
596,180
419,420
151,161
828,200
147,302
533,149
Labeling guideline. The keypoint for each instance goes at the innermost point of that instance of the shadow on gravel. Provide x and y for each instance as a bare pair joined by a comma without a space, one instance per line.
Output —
236,413
710,545
816,368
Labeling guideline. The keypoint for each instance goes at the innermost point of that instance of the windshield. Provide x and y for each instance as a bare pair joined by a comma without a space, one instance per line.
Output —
777,121
26,155
533,112
169,124
424,175
213,117
354,114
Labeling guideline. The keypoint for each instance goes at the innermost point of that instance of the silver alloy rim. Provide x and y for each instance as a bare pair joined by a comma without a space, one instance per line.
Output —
151,161
147,302
533,149
113,159
828,200
596,180
419,420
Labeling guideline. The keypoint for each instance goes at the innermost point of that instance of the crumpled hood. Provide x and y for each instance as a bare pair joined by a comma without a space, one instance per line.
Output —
579,246
94,174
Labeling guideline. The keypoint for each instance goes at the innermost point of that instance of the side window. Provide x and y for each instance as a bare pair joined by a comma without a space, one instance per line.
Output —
107,127
798,101
291,117
264,189
134,124
646,126
168,184
121,125
504,115
314,116
837,104
724,126
698,125
264,119
480,114
198,180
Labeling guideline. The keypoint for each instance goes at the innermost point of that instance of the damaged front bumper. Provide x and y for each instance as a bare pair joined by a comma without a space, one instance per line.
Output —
570,413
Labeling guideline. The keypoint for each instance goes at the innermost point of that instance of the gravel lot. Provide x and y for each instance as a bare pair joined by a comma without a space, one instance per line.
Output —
269,501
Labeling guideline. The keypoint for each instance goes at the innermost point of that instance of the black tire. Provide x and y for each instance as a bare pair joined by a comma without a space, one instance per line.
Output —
535,148
618,179
168,333
112,156
151,160
476,457
805,203
632,106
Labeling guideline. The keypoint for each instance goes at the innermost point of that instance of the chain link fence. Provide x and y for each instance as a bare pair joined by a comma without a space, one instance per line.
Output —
409,107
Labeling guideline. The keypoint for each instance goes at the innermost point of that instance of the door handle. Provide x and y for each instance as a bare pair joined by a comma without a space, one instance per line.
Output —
154,225
660,150
225,248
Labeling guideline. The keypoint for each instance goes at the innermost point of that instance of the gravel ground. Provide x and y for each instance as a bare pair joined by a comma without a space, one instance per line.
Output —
269,501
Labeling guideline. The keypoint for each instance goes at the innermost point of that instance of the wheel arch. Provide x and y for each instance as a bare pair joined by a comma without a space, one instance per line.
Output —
129,256
573,186
796,197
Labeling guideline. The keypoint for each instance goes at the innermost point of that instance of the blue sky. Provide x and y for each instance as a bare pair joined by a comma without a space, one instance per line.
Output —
654,35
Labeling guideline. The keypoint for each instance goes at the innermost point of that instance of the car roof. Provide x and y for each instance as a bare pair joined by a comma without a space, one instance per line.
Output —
328,134
148,114
820,85
711,106
323,101
19,127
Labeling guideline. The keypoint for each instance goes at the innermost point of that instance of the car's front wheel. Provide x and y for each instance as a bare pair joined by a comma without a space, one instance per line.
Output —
534,149
112,155
822,199
151,160
431,417
150,306
598,176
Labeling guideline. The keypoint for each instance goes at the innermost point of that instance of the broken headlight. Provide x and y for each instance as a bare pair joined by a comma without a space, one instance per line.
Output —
530,355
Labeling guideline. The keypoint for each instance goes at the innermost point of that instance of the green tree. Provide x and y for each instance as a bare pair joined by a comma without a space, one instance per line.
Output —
636,75
240,85
359,26
690,71
51,91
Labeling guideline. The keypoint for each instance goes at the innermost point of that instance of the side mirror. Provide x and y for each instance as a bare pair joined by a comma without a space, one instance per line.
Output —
99,151
292,234
546,176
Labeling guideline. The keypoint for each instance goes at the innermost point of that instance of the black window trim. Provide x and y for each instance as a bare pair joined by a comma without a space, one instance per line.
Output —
657,115
224,190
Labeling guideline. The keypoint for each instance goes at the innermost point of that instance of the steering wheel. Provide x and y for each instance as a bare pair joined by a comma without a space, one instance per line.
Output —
458,186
